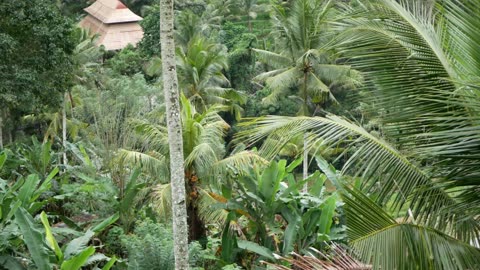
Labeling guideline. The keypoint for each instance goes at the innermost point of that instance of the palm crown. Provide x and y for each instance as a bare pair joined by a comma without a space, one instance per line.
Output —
422,76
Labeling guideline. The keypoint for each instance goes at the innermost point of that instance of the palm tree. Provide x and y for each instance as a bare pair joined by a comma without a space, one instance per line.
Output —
304,62
189,25
201,75
170,87
250,9
207,164
422,82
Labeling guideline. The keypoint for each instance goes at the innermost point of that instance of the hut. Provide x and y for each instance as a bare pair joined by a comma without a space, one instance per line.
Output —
116,25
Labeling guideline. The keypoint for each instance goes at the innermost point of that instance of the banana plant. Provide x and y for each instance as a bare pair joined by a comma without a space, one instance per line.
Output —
18,228
45,251
76,253
279,216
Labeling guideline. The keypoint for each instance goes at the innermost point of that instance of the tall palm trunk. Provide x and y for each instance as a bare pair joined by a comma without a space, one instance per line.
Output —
305,145
1,129
64,129
170,85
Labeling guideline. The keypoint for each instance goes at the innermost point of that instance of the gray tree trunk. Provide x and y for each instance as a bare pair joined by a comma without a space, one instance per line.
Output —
177,178
64,129
305,161
1,129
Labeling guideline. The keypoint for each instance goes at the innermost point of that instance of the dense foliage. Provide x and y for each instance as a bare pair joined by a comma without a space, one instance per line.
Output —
378,99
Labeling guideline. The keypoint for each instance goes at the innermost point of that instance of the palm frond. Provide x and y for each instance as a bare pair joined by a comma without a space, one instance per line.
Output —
387,244
384,170
153,163
239,163
207,210
337,258
274,60
161,199
280,84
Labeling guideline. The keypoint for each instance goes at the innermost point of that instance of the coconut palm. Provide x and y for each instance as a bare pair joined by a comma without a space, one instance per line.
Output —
189,24
422,82
170,88
201,75
304,63
207,164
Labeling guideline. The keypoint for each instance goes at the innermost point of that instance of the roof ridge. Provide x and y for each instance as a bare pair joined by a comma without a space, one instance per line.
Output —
112,11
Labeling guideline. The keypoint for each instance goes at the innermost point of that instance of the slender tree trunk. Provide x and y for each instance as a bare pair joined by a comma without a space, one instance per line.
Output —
305,145
305,157
1,129
64,130
170,86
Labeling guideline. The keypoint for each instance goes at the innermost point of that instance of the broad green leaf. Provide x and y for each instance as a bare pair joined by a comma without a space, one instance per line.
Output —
50,239
329,171
256,248
46,184
229,241
86,158
78,244
13,209
316,188
328,210
3,158
77,261
310,221
105,223
131,191
270,180
109,264
294,165
26,191
290,237
10,263
33,239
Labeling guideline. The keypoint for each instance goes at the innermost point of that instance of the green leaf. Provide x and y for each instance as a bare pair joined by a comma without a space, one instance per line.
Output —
294,164
328,210
78,244
33,239
77,261
256,248
290,237
13,209
270,180
310,221
109,264
49,236
46,184
316,188
105,223
28,188
3,158
380,240
131,191
10,263
229,240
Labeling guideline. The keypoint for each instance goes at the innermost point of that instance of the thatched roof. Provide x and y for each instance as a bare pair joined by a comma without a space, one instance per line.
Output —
115,24
112,11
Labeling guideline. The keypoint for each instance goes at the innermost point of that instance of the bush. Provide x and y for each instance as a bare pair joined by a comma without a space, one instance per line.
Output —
150,247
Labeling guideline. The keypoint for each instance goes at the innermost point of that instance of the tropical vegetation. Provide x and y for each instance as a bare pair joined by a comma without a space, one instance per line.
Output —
281,134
